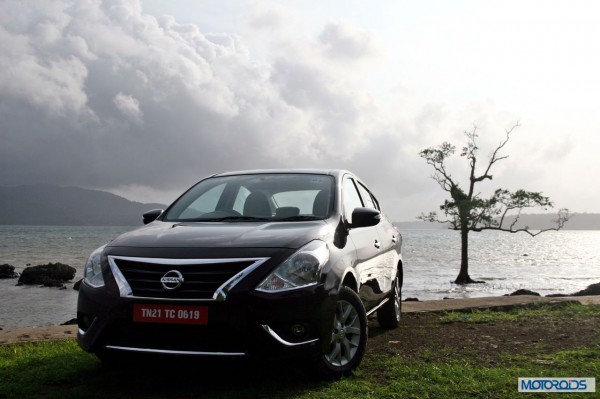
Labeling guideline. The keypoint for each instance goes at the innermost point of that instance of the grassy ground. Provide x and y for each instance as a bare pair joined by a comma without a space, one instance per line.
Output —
453,355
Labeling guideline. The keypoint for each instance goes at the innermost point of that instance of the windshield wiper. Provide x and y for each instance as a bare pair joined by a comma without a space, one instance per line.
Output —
299,218
232,219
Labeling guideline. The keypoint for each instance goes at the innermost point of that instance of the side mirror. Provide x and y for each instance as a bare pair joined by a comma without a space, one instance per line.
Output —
151,216
365,217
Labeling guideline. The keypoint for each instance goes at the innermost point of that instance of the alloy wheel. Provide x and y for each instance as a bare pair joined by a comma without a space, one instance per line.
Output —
346,334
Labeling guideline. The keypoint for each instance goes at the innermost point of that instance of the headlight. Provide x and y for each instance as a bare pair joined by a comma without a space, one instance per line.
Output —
302,269
92,274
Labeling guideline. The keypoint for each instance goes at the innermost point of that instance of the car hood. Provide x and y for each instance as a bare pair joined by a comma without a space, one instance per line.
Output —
223,235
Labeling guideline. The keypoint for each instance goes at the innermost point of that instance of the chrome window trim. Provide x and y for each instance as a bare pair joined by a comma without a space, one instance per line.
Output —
220,294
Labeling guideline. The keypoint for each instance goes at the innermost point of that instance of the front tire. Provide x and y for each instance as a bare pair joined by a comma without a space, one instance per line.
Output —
348,337
389,314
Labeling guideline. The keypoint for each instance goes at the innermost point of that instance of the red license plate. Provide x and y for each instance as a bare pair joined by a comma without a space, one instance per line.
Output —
173,314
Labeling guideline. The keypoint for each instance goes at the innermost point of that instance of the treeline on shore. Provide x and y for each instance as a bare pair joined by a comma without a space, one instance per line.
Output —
577,221
68,206
73,206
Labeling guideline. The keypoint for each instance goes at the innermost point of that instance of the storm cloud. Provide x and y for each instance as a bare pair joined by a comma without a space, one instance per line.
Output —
99,94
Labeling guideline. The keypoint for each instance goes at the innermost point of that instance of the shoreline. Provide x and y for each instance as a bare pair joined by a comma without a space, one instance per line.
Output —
60,332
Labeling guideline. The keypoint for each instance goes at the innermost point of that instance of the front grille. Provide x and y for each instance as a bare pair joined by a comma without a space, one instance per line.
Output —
202,278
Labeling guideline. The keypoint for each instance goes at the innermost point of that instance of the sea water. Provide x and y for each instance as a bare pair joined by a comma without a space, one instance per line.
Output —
554,262
22,246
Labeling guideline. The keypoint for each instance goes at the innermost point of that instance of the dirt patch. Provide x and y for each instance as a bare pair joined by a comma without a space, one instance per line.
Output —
423,336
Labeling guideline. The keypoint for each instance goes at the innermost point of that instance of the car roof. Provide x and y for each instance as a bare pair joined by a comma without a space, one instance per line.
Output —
331,172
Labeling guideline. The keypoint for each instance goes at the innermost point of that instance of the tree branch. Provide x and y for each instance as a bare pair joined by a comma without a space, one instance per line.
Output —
436,157
495,157
563,216
433,217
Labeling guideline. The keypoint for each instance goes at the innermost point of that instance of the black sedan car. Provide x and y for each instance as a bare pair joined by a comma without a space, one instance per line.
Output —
252,263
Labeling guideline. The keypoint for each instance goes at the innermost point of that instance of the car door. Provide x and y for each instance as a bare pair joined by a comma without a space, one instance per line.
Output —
385,268
367,244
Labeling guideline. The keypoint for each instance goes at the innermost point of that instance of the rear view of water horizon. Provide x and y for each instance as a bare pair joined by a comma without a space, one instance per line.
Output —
560,262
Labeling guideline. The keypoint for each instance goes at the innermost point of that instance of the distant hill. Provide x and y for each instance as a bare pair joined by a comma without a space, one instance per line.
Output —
578,221
68,206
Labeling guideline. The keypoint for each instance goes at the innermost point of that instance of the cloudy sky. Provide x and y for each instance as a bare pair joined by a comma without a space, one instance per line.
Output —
144,98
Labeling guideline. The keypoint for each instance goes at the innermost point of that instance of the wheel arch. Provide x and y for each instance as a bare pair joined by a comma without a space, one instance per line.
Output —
350,281
400,268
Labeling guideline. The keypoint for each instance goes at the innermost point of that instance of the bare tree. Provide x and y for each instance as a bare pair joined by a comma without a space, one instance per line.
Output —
467,211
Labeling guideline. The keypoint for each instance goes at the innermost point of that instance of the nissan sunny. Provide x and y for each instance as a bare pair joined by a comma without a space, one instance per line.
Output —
253,263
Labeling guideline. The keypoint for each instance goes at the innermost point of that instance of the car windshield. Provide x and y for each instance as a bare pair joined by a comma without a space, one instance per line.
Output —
256,197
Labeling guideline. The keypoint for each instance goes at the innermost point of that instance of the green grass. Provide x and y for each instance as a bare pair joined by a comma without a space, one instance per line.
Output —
61,370
574,311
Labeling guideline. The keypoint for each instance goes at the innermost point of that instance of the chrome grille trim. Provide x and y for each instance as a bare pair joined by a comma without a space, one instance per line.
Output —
276,336
173,352
220,293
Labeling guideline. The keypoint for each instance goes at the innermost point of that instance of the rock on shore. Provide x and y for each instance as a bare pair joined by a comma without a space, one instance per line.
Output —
524,292
49,275
8,271
593,289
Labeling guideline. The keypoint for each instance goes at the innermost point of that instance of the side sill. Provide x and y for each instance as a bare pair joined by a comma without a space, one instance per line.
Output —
376,308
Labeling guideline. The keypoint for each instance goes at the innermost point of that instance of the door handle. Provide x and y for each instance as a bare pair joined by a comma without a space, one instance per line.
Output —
377,244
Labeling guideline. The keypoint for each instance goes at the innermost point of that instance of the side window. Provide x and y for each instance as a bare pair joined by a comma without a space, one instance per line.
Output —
351,199
367,197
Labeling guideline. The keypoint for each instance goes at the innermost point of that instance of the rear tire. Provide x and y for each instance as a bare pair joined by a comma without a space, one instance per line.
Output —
389,314
348,337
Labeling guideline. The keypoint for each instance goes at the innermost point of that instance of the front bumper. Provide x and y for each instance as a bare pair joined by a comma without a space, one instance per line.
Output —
296,322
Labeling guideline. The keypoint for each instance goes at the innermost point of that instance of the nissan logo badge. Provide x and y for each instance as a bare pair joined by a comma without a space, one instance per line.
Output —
171,280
